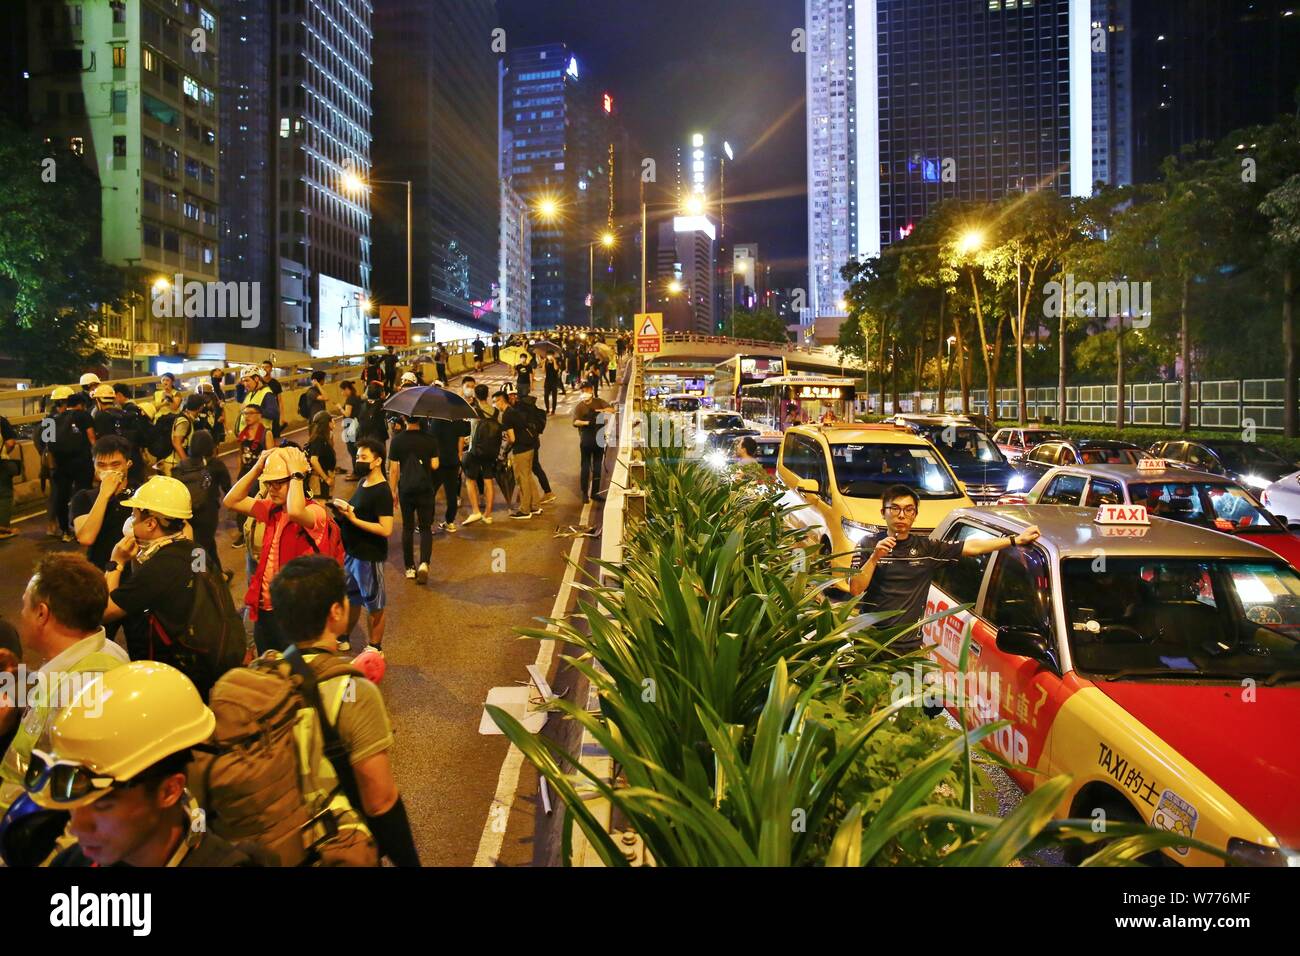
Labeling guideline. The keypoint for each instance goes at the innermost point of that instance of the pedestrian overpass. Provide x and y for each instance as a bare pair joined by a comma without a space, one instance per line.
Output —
688,351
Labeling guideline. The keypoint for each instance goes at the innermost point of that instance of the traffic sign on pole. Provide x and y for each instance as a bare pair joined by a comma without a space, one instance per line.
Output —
395,325
649,332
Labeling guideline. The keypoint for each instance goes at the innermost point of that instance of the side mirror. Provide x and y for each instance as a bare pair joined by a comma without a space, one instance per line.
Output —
809,485
1023,641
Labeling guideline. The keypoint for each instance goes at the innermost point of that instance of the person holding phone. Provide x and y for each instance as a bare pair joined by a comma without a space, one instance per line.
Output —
366,523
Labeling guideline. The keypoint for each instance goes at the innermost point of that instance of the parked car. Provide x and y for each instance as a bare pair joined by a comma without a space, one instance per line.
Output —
1247,462
978,463
1127,675
1016,442
835,475
1190,497
1084,451
1282,498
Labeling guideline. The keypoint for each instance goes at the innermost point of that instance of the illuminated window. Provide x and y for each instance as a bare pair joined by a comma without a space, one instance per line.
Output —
77,145
119,58
148,61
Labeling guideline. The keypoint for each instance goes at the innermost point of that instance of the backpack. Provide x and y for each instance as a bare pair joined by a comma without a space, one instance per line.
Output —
213,641
67,438
537,413
276,772
160,436
194,475
333,539
486,443
305,403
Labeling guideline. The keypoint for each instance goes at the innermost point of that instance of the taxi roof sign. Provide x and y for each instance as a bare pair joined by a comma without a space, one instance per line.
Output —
1151,464
1123,515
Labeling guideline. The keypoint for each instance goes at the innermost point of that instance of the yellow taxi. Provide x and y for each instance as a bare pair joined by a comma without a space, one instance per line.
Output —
1154,662
835,474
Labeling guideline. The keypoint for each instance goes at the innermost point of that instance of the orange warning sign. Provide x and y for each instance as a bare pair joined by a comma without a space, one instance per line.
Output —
395,325
649,333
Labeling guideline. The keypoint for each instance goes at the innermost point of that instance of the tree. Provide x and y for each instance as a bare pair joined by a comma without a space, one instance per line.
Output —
763,325
614,301
1282,207
53,283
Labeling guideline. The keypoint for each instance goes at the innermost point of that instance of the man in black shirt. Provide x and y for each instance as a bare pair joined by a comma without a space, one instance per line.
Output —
390,370
589,418
897,574
365,523
496,347
268,377
520,434
413,454
98,513
74,432
452,438
523,376
9,442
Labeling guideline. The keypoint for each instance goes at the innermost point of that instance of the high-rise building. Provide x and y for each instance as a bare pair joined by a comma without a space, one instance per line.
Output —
1203,68
687,247
747,279
514,283
912,102
322,138
247,110
1112,92
701,181
435,124
131,86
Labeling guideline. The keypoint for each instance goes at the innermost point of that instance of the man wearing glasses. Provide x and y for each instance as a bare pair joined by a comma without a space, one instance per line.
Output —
897,573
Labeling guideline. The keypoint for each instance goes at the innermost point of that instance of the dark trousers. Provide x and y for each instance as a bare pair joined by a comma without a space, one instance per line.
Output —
552,397
539,472
266,633
496,354
442,372
593,461
67,482
523,386
417,510
352,453
448,479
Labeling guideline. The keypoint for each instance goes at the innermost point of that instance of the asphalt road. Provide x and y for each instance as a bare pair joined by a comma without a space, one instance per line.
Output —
447,644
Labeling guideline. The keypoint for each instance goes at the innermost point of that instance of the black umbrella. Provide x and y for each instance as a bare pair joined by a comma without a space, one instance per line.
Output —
430,402
546,347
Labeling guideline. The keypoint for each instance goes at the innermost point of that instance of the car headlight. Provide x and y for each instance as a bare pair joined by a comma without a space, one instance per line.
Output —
1017,483
1255,481
717,460
855,532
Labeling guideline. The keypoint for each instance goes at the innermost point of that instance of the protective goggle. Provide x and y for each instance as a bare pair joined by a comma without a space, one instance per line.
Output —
65,781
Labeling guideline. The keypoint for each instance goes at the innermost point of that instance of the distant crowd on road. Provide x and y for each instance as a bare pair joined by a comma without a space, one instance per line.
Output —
144,622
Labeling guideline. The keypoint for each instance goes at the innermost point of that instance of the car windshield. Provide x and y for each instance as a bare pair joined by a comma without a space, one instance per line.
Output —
1037,438
1241,456
721,420
1182,617
1112,456
865,471
967,444
1219,506
768,452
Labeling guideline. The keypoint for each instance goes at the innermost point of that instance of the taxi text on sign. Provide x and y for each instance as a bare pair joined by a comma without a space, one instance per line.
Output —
649,332
395,325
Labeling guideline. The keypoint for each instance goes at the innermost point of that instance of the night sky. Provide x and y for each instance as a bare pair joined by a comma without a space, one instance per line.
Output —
724,67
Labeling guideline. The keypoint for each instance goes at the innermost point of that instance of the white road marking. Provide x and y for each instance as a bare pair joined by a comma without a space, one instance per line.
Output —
494,828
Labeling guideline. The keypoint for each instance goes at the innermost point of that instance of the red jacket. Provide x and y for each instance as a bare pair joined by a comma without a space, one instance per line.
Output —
287,540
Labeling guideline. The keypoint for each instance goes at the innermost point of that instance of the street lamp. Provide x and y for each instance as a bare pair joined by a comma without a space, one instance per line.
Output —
972,240
694,206
607,240
355,184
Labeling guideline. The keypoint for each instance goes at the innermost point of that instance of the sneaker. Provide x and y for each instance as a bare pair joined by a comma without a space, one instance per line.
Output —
410,574
237,543
422,575
537,512
487,519
7,533
377,650
345,645
450,526
477,516
598,497
521,515
548,497
67,537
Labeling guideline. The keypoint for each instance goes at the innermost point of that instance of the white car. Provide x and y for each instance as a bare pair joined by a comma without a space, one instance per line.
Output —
1282,498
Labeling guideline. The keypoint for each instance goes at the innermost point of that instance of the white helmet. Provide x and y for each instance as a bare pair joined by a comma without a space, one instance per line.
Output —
90,378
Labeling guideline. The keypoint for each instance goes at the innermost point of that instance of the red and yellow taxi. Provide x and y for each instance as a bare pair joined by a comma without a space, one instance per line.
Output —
1155,663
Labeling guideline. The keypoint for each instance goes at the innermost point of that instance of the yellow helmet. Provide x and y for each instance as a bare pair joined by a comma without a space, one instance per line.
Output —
162,495
121,722
280,464
148,409
104,393
60,394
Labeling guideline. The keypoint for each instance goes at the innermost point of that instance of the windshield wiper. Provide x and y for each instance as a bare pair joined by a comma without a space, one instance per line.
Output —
1278,676
1157,672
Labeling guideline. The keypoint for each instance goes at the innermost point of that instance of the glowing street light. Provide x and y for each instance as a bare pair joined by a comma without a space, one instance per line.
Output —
548,209
972,240
608,240
161,285
354,184
674,287
694,206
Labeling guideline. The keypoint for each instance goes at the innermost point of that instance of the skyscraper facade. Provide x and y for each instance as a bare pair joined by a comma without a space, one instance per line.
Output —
322,137
912,102
435,124
515,283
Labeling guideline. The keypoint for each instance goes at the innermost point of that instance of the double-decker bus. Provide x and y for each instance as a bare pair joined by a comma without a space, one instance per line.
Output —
785,400
740,370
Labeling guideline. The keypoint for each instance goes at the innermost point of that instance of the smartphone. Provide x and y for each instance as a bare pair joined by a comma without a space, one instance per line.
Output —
339,503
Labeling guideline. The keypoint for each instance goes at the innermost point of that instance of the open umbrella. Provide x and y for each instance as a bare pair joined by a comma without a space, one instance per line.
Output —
546,347
430,402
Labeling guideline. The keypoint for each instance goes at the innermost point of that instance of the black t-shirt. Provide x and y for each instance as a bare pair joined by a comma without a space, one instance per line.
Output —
590,411
324,450
206,518
519,420
371,503
372,422
7,432
71,443
110,532
413,451
522,373
448,435
162,586
902,580
354,405
390,364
